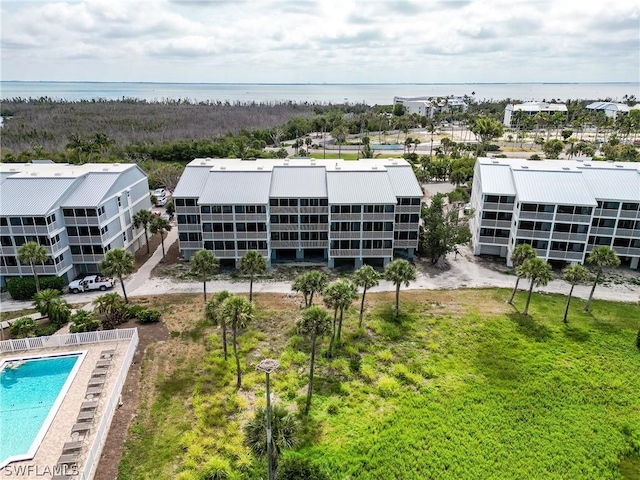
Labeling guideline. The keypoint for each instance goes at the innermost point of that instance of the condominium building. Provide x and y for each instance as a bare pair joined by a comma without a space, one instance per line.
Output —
77,212
531,109
344,212
563,208
429,106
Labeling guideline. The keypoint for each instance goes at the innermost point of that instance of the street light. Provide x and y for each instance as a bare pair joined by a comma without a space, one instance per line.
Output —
267,366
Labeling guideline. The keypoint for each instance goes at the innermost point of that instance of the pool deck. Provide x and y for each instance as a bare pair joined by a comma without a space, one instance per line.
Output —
43,465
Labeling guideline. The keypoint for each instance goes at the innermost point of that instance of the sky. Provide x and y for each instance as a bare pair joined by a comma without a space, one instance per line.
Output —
324,41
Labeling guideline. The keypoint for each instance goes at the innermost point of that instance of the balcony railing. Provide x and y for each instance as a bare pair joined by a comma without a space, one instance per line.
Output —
407,208
377,235
574,237
251,235
505,224
378,217
605,212
601,231
627,251
317,210
570,218
536,216
407,226
335,235
190,245
494,240
279,210
219,217
225,253
533,233
345,216
562,255
87,258
285,244
630,214
405,243
627,232
501,207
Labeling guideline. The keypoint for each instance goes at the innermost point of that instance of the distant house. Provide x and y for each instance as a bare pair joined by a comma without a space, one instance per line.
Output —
531,109
429,106
77,212
610,109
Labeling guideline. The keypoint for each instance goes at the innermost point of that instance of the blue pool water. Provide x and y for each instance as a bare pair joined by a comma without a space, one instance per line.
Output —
27,395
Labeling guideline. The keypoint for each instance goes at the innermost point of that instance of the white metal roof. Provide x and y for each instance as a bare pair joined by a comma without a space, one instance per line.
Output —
233,187
618,107
192,181
298,182
554,187
614,184
348,187
496,179
540,107
90,190
23,196
403,181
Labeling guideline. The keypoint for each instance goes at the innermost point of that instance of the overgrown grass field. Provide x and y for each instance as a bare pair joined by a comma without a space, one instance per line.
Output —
460,386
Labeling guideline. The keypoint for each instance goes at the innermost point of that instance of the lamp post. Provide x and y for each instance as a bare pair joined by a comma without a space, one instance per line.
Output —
267,366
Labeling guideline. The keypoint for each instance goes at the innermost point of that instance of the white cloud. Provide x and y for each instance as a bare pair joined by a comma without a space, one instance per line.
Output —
328,40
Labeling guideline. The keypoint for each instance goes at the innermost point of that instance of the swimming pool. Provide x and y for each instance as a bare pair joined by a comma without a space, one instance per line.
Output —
31,391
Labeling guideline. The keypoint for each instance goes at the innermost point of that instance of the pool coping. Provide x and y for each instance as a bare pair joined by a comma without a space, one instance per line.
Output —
53,411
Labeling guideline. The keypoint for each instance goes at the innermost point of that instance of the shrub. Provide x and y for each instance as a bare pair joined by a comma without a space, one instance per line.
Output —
23,327
297,467
25,288
355,363
388,386
149,316
216,468
83,321
134,311
46,331
638,340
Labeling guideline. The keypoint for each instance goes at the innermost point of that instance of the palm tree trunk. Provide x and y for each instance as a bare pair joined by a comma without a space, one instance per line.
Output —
204,285
513,293
124,292
224,341
162,241
526,307
235,353
397,300
593,288
364,292
313,360
35,277
333,334
146,239
251,289
566,308
310,299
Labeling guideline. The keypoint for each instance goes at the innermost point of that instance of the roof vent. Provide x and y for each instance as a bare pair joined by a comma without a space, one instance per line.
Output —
106,169
58,174
566,168
12,169
619,166
374,167
203,163
525,167
260,167
495,161
222,167
587,164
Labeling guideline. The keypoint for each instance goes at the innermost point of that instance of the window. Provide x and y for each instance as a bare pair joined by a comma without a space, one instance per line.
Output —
227,227
611,205
529,207
355,227
356,208
91,212
335,208
242,245
314,218
229,245
275,219
67,212
273,202
182,219
193,219
413,235
583,210
104,229
489,215
217,227
241,227
179,202
387,244
83,231
218,245
3,221
205,209
207,227
304,218
304,202
190,202
505,216
252,227
345,209
6,241
216,209
239,208
388,226
119,204
389,208
507,199
195,236
323,202
15,221
227,209
293,235
415,201
293,202
72,231
40,221
100,212
124,236
367,226
75,249
630,206
94,231
208,245
491,198
275,236
355,244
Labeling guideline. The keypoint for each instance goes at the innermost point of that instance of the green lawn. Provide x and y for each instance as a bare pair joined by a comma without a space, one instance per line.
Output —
461,387
350,156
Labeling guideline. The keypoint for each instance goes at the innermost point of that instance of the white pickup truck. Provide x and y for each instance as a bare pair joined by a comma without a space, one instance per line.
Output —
91,282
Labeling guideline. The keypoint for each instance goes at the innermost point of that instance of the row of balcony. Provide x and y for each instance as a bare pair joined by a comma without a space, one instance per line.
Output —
358,253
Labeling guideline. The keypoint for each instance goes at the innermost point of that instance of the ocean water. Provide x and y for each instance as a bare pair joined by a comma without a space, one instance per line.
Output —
371,94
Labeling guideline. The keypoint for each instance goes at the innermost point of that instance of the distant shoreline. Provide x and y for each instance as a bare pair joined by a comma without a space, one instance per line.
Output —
313,83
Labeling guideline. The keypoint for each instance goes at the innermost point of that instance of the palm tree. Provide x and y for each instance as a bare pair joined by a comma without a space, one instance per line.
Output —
340,134
143,218
213,313
43,300
308,284
161,225
112,306
538,272
76,144
32,253
314,324
398,272
573,275
330,299
252,264
117,263
300,284
284,433
238,312
520,254
365,277
347,293
600,257
204,263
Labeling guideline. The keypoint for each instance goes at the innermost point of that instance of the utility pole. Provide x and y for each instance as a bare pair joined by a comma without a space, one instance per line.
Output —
267,366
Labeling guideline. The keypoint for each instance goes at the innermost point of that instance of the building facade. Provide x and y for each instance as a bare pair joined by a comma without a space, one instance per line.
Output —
77,212
563,208
531,109
351,212
429,106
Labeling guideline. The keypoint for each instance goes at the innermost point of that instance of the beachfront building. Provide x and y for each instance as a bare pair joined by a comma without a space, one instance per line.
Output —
341,212
429,106
563,208
77,212
531,109
610,109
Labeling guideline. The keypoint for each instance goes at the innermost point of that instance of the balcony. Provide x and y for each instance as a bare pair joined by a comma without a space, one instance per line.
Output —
570,218
630,214
285,244
355,252
562,255
494,240
87,258
345,216
225,254
604,212
88,239
627,232
376,217
500,207
316,210
407,226
264,253
251,235
285,227
520,233
314,227
280,210
504,224
378,235
188,210
314,243
337,235
377,252
601,231
407,208
251,217
190,227
218,236
536,216
187,245
574,237
627,251
220,217
82,221
405,243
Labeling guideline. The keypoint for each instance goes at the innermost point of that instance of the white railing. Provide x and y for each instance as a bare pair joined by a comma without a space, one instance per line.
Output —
67,340
93,455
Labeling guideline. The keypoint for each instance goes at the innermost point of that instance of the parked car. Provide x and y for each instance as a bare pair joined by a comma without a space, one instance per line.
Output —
160,193
91,282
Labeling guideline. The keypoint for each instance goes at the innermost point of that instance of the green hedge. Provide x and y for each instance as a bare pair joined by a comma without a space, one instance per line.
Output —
25,288
149,316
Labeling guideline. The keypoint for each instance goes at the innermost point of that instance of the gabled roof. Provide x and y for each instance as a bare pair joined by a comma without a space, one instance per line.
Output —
23,196
298,182
553,187
360,187
403,181
233,187
496,179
